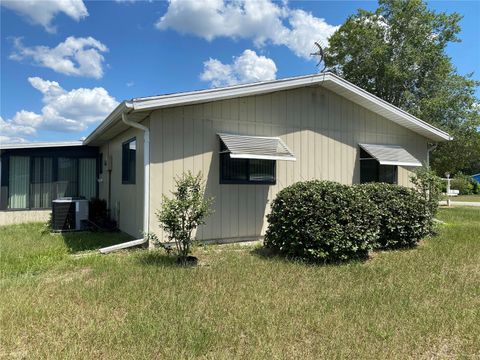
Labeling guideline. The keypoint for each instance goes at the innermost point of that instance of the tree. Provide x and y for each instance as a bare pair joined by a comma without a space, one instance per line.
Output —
398,54
182,214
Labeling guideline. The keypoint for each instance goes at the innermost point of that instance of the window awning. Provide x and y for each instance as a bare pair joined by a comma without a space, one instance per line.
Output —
256,147
391,155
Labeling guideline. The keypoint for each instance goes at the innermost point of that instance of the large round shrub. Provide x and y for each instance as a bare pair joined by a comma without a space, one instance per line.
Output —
322,221
405,217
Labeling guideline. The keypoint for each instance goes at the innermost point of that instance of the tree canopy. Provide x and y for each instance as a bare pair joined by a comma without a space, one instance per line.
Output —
398,53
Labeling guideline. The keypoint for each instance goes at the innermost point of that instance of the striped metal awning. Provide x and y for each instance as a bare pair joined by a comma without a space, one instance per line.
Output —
256,147
391,155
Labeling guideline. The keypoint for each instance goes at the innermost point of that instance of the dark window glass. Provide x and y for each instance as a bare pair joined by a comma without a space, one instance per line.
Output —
372,171
246,171
388,174
233,170
262,171
368,171
129,150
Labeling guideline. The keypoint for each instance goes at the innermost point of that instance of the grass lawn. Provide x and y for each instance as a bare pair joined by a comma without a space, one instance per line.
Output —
474,198
419,303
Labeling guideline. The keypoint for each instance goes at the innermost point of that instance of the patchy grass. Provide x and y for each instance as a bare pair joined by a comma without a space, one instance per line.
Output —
238,303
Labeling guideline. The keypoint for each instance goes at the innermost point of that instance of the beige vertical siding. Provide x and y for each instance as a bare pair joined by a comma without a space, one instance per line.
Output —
126,199
321,128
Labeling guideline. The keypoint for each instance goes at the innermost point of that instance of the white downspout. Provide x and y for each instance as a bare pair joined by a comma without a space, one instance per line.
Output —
146,189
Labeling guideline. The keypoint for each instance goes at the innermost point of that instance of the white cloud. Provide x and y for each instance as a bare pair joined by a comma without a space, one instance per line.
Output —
11,139
63,111
246,68
305,30
74,56
260,20
11,128
42,12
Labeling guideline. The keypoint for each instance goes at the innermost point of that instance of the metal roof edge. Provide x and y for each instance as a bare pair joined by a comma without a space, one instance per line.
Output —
40,144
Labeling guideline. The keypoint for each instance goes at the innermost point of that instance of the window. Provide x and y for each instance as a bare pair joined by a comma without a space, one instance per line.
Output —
245,171
129,150
372,171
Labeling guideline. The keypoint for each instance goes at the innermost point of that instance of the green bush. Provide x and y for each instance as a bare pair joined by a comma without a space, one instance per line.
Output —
185,212
405,215
429,185
463,183
322,221
476,186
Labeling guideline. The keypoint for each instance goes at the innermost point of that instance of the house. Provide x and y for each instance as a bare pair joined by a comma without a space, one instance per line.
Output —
250,141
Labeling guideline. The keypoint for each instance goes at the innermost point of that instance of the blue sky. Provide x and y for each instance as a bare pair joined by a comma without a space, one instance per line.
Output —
64,66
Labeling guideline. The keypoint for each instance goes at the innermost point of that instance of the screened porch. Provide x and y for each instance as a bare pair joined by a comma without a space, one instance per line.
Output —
32,178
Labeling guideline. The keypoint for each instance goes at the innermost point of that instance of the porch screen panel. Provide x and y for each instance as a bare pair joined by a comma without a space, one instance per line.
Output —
67,177
87,178
47,181
36,183
19,179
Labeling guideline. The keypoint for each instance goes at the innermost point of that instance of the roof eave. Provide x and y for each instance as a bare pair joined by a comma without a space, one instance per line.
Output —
114,116
157,102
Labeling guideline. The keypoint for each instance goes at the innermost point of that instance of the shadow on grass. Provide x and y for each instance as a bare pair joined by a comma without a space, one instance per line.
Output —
157,258
271,255
85,240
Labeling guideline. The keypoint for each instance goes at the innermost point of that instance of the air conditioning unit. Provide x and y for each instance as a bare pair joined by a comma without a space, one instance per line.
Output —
69,214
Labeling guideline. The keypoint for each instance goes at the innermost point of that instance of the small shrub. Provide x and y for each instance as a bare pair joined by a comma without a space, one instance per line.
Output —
322,221
182,214
462,183
405,217
430,186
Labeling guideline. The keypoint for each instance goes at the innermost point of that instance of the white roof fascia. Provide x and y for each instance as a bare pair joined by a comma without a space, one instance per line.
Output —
226,92
31,145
